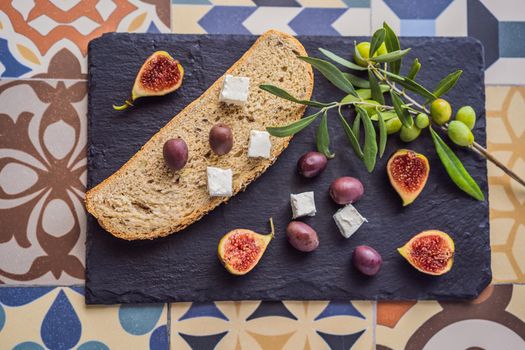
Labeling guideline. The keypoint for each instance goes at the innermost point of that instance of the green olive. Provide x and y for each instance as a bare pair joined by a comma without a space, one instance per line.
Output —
467,115
422,120
460,134
409,134
393,125
364,51
371,110
382,50
440,111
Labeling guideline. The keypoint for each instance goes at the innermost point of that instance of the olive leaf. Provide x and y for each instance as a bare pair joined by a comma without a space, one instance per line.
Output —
455,168
383,135
377,39
338,59
414,69
357,81
375,89
401,111
357,54
447,83
370,147
293,128
391,56
356,127
409,84
323,138
352,138
392,44
366,94
287,96
332,73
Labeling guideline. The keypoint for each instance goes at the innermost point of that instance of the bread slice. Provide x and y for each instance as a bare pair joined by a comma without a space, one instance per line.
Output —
145,200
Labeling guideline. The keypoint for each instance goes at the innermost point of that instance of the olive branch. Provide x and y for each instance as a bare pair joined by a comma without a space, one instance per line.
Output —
366,96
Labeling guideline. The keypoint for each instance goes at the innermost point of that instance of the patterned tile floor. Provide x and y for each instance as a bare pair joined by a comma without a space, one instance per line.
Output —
43,47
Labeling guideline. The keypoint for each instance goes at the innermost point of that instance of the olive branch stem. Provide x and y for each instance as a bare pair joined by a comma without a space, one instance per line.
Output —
476,147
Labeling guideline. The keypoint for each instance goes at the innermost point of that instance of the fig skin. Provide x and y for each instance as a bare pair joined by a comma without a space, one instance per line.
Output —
406,185
435,248
255,241
139,90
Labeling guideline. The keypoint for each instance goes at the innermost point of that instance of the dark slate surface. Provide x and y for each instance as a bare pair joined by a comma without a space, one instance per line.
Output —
184,266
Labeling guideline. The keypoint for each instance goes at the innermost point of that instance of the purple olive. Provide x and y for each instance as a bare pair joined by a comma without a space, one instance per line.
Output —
175,153
311,164
346,190
367,260
221,139
301,236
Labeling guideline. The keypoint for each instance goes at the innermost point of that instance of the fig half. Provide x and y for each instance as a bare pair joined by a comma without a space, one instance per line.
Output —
408,174
240,250
431,252
159,75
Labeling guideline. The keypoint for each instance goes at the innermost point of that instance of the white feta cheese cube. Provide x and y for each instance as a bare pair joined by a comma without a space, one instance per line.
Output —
348,220
303,204
219,182
260,144
235,90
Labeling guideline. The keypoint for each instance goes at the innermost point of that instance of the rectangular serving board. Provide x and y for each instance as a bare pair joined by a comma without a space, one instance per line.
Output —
184,266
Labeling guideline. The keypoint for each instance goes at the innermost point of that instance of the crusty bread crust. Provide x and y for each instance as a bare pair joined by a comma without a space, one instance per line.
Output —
215,201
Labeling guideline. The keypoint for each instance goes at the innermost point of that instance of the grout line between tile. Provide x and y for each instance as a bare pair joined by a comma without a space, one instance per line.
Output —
374,324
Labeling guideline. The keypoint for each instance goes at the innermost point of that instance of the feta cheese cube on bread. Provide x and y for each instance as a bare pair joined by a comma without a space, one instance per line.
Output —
303,204
219,182
235,90
348,220
259,145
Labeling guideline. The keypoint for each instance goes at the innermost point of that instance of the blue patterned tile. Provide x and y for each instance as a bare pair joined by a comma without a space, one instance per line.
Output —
335,308
202,310
226,19
61,327
316,21
346,341
11,67
357,3
279,3
203,342
418,27
483,26
416,9
58,318
271,308
512,39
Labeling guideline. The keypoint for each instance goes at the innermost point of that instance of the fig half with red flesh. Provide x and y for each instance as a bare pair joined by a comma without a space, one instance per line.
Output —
408,173
240,250
431,252
159,75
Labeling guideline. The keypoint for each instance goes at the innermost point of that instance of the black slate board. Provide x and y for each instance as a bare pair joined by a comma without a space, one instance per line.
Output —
184,266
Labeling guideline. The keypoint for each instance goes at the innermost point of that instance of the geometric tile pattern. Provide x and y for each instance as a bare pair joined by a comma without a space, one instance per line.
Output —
57,318
499,29
495,320
42,183
272,325
36,34
506,140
